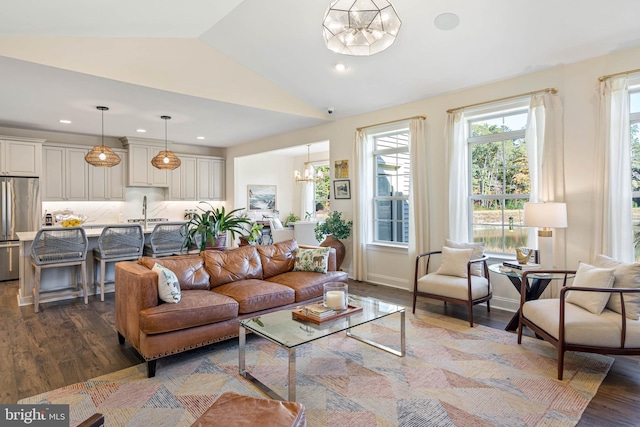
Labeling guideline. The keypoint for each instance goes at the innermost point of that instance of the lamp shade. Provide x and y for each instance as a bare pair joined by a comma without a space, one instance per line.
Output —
165,159
360,27
101,156
548,215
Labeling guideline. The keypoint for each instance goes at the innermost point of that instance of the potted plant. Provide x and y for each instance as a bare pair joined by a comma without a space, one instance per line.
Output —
291,218
331,230
252,236
208,228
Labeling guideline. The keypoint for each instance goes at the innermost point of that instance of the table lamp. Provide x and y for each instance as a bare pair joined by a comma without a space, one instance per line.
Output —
545,216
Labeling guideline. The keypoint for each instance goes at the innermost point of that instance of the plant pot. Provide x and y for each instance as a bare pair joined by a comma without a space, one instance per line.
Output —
331,242
220,244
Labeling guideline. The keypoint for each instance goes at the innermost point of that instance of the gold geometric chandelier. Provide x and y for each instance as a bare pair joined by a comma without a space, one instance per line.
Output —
360,27
166,160
101,156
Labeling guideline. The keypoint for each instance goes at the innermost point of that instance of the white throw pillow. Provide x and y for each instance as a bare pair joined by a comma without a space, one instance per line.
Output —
277,224
589,276
454,261
478,252
168,286
626,276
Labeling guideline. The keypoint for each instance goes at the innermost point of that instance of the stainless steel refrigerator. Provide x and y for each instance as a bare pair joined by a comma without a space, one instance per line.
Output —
19,211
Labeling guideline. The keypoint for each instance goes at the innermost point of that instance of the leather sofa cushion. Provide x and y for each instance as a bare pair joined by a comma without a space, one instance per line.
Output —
232,265
308,284
196,308
255,295
188,268
277,258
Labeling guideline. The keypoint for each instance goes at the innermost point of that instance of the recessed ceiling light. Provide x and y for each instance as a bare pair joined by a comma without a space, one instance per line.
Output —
66,122
446,21
340,67
141,130
199,137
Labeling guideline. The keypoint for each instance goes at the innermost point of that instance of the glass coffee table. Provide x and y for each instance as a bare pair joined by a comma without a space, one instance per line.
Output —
281,329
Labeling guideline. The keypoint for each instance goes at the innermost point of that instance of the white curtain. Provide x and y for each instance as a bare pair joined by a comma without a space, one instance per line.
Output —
306,199
458,162
361,195
419,203
613,229
545,152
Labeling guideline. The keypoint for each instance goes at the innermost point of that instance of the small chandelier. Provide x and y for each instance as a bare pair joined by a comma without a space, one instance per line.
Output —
360,27
166,160
307,174
101,156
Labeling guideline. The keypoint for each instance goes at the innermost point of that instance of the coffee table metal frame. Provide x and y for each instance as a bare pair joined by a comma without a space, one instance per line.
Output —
286,335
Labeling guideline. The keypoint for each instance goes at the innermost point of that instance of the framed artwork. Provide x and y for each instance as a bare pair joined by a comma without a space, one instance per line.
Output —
341,168
342,189
261,197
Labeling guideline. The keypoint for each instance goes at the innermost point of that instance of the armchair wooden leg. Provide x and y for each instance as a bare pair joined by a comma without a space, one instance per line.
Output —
488,307
560,361
470,306
519,332
120,338
415,296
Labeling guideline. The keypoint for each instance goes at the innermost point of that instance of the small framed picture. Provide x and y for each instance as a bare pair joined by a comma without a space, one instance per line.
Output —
342,189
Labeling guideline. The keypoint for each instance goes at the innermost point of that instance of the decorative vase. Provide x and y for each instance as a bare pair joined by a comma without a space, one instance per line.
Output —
219,244
331,242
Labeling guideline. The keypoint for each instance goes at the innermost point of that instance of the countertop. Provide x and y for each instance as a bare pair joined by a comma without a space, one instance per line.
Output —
92,230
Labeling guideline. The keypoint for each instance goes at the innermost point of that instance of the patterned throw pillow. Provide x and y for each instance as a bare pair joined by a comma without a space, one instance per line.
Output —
168,286
316,260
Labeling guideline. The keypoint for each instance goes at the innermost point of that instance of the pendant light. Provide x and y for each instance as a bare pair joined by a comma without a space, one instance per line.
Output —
307,174
101,156
166,160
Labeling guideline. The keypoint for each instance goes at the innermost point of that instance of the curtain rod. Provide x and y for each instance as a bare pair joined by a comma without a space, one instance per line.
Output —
552,90
392,121
603,78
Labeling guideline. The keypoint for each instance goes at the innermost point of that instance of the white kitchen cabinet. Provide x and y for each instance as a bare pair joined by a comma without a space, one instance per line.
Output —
20,156
182,181
141,172
210,185
65,174
108,183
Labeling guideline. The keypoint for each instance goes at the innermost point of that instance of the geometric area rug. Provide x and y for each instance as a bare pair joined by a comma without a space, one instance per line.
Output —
452,375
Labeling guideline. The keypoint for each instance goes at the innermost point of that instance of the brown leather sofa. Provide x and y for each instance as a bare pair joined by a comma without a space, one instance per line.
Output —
218,288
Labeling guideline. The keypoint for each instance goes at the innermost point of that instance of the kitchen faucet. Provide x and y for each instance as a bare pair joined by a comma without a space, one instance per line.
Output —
144,211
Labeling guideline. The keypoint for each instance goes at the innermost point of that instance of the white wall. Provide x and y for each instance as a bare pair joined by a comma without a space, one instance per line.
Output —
271,168
577,84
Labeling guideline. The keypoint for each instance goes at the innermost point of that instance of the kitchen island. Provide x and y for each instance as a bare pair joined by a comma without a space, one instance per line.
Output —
53,278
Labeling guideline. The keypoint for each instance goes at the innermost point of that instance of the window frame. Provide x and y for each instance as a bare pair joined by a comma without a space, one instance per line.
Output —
375,198
502,198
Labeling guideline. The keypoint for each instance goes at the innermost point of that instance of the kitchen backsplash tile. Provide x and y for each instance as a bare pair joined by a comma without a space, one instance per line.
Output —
109,212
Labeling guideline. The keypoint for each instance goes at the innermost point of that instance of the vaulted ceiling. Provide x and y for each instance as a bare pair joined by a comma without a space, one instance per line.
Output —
238,70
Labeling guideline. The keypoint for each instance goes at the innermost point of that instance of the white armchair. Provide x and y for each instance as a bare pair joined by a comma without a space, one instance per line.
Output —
459,280
278,232
598,313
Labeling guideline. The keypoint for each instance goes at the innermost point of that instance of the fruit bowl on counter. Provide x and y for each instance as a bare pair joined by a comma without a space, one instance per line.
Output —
67,218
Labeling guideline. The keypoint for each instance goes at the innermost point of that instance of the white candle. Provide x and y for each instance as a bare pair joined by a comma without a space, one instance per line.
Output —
336,300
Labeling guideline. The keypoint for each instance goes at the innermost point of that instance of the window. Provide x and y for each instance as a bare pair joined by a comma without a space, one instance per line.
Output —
321,193
634,116
499,179
392,169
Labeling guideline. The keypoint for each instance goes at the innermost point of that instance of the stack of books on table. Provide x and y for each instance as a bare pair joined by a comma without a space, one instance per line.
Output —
318,311
516,266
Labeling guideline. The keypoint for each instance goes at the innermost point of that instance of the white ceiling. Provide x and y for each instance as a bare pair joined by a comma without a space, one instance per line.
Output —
238,70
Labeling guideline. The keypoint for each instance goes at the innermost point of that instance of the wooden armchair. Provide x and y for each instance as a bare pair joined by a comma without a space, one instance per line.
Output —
469,290
570,327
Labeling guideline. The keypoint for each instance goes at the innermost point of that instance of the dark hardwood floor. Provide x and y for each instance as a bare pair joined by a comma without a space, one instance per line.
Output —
68,342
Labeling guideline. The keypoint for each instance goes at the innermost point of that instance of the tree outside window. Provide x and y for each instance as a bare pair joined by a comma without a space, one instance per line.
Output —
499,180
